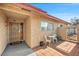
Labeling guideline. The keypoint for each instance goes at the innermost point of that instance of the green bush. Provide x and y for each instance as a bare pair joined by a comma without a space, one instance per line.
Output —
59,37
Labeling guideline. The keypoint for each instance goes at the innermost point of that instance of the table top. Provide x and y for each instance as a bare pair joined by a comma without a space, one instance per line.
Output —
51,36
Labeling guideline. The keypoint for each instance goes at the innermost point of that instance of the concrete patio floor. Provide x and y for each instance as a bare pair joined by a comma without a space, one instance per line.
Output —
66,48
20,49
63,48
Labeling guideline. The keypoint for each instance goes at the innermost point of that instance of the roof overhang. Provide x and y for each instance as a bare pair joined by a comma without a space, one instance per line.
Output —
37,10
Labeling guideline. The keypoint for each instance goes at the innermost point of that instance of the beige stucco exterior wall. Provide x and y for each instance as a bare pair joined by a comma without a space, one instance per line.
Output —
63,33
77,32
27,31
3,32
36,34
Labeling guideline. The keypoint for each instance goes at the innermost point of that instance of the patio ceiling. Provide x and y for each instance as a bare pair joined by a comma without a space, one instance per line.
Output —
15,9
14,15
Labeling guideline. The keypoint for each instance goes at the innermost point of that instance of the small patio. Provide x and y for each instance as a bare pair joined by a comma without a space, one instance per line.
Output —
63,48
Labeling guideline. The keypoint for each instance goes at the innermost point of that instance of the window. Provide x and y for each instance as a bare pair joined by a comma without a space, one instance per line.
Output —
50,27
55,26
44,26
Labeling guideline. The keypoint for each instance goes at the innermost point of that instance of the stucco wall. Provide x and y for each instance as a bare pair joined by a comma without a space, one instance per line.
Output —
3,32
27,31
77,33
63,33
36,34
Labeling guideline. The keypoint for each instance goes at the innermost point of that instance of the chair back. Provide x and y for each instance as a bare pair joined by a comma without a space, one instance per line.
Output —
45,37
55,35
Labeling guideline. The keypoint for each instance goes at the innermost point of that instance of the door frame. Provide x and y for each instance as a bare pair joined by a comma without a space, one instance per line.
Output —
22,31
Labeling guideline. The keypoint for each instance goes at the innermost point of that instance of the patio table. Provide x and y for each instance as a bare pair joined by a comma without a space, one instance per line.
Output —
51,38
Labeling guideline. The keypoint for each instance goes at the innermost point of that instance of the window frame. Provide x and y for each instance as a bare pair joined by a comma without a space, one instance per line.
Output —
46,26
50,27
42,25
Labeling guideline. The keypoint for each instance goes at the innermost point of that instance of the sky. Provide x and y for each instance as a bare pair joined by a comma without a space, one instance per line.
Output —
65,11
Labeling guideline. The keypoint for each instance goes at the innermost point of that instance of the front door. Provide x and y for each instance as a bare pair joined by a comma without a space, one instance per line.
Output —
15,32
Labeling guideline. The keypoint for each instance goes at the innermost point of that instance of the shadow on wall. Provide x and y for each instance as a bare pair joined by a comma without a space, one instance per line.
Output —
3,32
